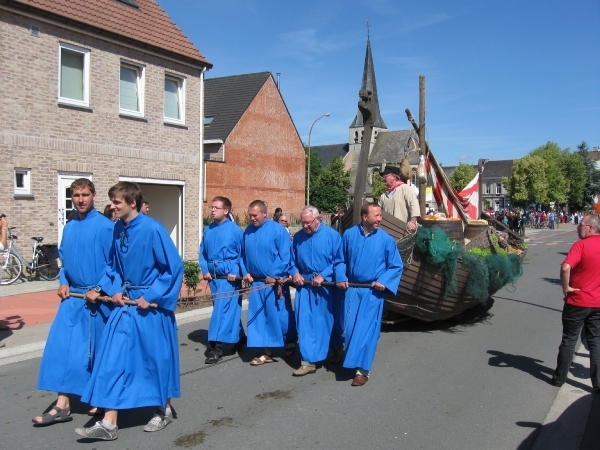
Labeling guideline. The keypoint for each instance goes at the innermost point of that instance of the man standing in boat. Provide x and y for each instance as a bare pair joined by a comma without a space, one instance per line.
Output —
219,259
581,288
399,199
314,250
368,255
266,256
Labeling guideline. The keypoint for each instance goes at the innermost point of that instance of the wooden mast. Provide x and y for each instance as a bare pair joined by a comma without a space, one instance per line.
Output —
364,105
422,143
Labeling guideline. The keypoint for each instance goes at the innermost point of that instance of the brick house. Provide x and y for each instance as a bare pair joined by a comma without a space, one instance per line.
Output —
105,89
252,149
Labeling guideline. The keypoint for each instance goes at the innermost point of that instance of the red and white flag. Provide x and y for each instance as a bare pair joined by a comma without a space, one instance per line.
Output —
468,197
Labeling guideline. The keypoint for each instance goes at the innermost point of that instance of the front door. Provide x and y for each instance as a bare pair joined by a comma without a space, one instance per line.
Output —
65,203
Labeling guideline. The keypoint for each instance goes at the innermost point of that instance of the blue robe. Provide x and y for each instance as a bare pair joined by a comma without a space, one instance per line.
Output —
365,259
138,359
76,330
219,255
314,255
266,252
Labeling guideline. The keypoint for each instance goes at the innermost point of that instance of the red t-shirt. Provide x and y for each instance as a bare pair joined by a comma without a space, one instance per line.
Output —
584,259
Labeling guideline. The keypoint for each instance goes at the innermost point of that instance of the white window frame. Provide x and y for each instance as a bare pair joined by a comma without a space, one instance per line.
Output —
181,92
498,188
26,189
86,75
141,88
488,189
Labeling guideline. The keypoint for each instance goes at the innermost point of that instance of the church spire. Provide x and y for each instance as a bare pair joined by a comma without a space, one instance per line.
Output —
368,82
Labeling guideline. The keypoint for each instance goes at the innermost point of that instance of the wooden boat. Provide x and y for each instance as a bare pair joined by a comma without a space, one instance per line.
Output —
421,291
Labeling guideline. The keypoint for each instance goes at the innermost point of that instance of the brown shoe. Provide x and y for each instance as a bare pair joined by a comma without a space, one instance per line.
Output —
305,370
359,380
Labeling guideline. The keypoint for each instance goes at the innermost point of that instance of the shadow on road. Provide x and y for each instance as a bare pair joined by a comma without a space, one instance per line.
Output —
533,367
529,303
555,281
556,436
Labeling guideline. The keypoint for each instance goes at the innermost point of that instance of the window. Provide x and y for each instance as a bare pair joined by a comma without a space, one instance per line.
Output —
488,189
131,90
174,99
208,120
498,188
74,75
23,181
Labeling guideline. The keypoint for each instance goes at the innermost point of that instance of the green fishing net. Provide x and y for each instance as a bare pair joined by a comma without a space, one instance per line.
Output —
488,271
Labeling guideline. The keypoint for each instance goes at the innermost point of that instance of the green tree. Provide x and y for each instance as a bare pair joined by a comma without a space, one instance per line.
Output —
573,168
592,177
316,167
332,187
462,176
528,182
558,186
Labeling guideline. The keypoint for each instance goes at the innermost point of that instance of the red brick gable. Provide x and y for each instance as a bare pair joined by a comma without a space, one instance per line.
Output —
264,158
148,24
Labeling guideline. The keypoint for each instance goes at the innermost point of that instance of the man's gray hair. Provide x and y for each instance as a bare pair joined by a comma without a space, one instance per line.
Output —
314,211
592,219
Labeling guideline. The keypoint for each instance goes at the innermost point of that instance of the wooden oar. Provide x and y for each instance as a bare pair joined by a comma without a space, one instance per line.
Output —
306,282
108,299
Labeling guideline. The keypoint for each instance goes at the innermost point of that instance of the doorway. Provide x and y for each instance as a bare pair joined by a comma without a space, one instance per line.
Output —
65,202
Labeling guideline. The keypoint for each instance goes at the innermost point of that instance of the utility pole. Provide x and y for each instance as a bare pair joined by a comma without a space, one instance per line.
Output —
422,143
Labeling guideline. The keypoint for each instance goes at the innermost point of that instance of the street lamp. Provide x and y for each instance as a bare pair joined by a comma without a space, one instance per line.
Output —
308,172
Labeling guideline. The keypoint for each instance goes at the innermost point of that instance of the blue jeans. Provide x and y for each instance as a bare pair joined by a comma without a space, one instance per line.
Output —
573,319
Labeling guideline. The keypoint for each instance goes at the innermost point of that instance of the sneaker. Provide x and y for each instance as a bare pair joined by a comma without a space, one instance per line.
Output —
305,370
158,422
98,431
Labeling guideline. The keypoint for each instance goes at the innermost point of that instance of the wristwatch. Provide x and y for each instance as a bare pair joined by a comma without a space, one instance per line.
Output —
98,289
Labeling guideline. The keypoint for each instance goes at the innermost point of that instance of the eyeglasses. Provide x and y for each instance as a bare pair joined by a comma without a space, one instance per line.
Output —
215,207
308,223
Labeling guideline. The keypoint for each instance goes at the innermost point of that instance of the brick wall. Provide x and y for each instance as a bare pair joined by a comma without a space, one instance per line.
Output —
38,134
264,159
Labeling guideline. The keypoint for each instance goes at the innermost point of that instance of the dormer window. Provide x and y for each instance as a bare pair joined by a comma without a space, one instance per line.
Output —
130,3
208,120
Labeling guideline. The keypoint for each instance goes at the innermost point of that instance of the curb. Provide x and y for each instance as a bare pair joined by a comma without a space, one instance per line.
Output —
36,349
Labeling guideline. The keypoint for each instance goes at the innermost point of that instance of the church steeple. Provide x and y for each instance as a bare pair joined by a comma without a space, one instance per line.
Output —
368,82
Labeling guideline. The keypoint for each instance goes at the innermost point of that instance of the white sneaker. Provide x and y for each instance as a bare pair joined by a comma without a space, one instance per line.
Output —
98,431
158,422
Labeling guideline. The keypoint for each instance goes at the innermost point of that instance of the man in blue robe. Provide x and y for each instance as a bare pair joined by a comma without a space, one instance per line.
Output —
368,255
219,257
314,250
76,330
138,360
266,255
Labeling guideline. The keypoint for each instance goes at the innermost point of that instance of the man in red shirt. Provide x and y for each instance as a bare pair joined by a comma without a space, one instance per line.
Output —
581,287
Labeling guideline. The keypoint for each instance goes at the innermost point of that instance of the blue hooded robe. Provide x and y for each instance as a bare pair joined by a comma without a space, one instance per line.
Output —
365,259
138,359
266,252
219,255
314,255
70,350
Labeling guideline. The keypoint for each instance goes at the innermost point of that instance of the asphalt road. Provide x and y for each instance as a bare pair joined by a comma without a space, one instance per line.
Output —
481,383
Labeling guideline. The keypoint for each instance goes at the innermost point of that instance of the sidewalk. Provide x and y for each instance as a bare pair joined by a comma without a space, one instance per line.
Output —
28,308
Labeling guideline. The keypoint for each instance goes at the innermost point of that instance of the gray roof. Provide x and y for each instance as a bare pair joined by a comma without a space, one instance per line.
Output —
449,170
328,152
368,82
498,169
391,146
228,98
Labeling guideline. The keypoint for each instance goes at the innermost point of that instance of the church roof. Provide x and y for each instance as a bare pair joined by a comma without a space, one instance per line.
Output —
369,83
391,146
226,99
328,152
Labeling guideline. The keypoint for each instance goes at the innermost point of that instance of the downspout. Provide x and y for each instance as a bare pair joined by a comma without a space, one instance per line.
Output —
201,160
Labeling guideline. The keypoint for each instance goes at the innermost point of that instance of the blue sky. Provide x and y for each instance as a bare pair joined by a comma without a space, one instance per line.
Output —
502,77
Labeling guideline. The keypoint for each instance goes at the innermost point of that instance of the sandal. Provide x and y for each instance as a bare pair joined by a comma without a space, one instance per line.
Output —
290,349
94,412
263,359
213,358
62,415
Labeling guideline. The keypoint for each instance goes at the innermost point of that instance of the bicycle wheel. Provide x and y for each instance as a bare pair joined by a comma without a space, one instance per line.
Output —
10,268
47,270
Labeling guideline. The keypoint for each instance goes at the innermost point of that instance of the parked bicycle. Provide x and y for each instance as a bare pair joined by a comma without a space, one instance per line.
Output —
45,265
